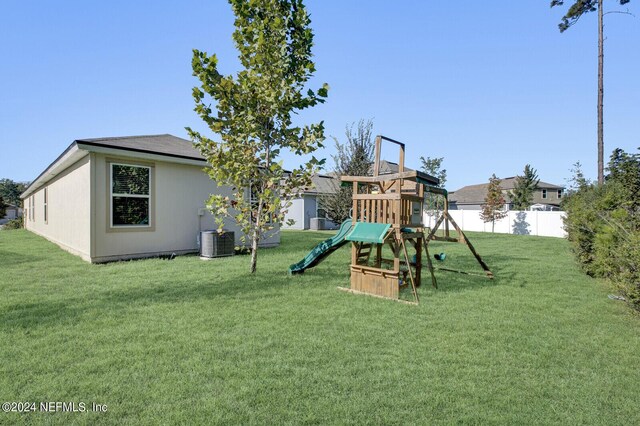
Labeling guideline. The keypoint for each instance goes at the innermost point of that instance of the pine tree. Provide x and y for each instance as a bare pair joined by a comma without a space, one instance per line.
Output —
353,158
574,13
524,188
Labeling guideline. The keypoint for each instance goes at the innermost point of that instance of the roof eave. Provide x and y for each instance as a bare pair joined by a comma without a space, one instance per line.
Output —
69,156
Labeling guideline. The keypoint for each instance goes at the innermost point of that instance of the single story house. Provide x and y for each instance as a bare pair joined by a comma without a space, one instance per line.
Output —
11,212
471,197
308,207
129,197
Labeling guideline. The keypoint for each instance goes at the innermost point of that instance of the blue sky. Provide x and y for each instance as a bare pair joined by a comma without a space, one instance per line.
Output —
490,86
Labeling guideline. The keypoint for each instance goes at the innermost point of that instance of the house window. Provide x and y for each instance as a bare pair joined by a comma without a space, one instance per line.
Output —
559,193
130,195
544,193
33,208
45,205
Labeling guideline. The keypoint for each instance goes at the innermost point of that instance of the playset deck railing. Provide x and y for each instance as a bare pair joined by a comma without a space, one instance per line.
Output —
387,211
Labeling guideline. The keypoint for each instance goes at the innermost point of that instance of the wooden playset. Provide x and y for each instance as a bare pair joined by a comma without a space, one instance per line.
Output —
388,213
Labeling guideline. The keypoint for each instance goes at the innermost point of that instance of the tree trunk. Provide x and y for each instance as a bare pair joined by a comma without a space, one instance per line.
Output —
255,238
600,94
493,225
254,251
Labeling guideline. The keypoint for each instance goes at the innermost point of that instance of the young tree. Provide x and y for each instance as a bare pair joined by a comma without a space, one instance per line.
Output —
434,203
253,118
493,207
353,158
433,167
524,188
577,180
575,12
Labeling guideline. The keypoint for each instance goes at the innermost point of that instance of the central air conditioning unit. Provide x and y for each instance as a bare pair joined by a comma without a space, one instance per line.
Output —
317,224
216,244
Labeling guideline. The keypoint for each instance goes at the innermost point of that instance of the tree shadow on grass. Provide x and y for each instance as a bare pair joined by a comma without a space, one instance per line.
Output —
472,276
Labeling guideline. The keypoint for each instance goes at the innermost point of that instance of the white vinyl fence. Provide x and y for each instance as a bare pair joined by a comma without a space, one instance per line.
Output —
545,224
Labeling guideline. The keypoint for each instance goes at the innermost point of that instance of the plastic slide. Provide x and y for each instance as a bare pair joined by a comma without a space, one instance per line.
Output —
322,250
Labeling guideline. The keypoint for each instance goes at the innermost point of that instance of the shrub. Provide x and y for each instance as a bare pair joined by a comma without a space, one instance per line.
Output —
12,224
603,225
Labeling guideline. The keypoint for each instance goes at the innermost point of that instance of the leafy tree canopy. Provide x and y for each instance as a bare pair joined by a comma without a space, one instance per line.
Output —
3,208
11,191
493,207
253,115
434,203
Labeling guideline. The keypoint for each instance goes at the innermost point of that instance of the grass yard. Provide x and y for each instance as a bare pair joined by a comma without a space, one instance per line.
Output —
192,342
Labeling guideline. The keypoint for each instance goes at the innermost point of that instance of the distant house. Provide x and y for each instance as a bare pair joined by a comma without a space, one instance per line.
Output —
306,208
546,197
125,197
12,212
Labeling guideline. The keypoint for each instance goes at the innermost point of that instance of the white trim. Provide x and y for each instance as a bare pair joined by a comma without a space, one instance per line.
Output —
71,157
111,195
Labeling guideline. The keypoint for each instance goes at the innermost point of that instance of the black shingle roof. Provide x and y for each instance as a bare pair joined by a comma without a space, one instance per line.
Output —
152,144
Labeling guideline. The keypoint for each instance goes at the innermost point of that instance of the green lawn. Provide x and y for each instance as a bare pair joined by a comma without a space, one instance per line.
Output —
187,341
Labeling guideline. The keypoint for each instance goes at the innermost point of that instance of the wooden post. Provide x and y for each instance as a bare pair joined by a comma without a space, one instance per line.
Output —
434,283
376,162
406,256
473,250
446,214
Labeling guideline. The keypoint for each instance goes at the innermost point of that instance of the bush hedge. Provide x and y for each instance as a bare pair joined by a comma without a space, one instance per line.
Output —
12,224
603,225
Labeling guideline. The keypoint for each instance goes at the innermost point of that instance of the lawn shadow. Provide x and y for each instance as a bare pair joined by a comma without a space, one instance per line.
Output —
471,275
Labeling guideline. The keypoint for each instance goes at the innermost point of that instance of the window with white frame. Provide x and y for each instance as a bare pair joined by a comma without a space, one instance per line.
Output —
544,193
130,195
33,208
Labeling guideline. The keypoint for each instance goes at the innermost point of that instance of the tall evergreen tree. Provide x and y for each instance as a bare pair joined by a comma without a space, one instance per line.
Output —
493,207
524,188
253,117
353,158
575,12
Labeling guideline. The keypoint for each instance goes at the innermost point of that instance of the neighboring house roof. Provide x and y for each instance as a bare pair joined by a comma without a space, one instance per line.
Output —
475,194
323,184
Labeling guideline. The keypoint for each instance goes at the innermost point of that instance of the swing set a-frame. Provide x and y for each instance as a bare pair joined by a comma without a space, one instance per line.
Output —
388,212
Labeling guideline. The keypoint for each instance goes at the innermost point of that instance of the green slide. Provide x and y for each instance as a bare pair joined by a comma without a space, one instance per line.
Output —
322,250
